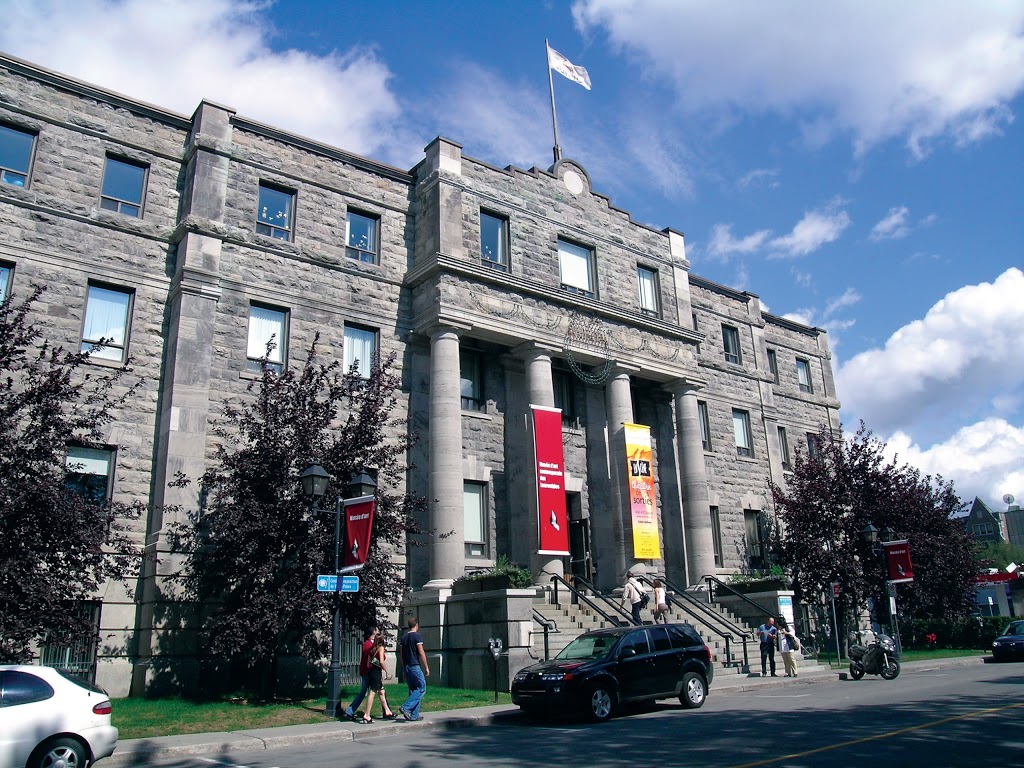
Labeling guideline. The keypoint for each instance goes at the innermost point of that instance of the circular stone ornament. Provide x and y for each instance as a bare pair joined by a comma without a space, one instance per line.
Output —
573,182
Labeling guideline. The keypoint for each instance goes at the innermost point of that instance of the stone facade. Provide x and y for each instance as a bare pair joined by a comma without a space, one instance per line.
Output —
194,264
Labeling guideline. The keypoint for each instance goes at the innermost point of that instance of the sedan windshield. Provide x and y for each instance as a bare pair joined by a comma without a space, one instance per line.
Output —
588,647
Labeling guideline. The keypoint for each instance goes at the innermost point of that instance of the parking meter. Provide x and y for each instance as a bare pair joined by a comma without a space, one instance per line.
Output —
494,644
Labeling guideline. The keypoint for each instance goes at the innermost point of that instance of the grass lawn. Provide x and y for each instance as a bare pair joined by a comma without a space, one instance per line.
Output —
145,718
938,653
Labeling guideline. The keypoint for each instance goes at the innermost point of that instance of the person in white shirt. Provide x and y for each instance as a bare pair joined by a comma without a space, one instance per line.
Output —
788,646
660,603
634,593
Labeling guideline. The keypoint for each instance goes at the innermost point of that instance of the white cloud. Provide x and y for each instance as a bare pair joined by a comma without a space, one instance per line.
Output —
760,177
849,298
893,226
957,361
723,244
982,459
814,230
136,47
878,70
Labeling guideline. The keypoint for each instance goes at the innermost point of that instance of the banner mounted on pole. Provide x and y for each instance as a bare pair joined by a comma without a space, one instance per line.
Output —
898,568
643,507
549,462
358,529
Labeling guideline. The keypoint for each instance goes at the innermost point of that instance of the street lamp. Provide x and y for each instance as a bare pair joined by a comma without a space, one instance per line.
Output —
877,540
314,485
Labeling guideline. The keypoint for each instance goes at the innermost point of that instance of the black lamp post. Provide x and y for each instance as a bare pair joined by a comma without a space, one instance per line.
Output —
876,538
314,485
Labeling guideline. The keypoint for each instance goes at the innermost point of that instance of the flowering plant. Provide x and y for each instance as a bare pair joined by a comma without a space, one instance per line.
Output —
931,638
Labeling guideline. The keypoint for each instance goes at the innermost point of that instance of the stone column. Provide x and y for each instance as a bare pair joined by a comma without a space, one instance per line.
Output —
447,554
619,405
700,548
541,392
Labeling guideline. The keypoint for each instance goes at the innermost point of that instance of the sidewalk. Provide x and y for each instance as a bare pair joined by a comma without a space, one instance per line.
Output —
133,751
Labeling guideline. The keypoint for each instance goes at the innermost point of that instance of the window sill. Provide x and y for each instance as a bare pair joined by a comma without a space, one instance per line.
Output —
478,415
103,363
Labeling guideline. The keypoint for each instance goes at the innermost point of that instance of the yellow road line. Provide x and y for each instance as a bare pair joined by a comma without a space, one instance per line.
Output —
878,736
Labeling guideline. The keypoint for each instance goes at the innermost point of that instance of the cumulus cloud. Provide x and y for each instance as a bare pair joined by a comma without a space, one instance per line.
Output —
929,75
956,361
135,47
814,230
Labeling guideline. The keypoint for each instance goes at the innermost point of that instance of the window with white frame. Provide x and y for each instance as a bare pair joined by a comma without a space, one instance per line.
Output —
647,281
124,185
474,505
731,343
705,425
741,431
773,365
105,332
803,375
363,237
274,212
90,472
360,349
576,268
494,241
268,339
5,280
471,380
15,155
716,535
784,448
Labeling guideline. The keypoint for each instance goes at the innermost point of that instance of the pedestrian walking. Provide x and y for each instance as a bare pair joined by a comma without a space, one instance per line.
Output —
377,673
660,602
635,594
789,644
416,669
767,633
364,667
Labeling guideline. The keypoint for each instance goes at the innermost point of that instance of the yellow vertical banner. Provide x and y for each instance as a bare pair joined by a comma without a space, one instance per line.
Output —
643,508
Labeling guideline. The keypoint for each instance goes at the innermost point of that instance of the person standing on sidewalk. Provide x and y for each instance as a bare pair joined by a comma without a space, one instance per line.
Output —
788,645
414,664
364,669
767,634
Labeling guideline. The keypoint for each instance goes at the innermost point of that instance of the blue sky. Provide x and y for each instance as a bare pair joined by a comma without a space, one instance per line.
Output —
859,165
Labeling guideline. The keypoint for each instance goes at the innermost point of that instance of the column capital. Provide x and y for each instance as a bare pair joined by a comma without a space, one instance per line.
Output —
684,386
532,349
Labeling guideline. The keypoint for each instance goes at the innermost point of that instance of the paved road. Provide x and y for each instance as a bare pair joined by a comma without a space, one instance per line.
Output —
958,715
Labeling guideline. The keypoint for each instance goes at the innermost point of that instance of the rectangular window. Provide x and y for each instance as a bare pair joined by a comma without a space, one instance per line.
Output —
15,155
267,326
360,349
773,365
693,317
647,280
803,375
362,237
813,448
754,525
474,505
741,430
576,268
784,448
471,383
5,281
90,472
731,341
274,213
494,241
705,425
716,535
565,397
105,334
124,184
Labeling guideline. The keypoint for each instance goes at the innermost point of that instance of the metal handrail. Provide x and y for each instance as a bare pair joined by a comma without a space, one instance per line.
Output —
556,580
722,585
609,601
548,626
695,605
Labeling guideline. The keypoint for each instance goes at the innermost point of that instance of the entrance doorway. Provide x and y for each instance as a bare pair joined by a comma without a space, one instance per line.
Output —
580,562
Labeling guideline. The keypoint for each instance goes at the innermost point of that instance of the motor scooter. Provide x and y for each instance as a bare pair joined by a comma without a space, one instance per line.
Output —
875,656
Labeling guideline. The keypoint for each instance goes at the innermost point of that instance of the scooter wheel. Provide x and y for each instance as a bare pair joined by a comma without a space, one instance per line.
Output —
891,671
856,672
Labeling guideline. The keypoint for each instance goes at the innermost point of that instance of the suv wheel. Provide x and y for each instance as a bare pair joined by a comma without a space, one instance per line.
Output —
694,692
601,703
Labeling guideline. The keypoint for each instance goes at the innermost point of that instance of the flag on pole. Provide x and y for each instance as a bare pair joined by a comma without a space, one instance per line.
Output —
566,68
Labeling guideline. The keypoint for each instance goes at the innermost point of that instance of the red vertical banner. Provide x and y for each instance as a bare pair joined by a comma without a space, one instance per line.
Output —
898,567
358,530
552,525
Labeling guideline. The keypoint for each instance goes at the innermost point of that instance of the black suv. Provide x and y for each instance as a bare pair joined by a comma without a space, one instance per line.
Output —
600,670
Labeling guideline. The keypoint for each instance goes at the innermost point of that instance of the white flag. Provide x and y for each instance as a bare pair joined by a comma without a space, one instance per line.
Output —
566,68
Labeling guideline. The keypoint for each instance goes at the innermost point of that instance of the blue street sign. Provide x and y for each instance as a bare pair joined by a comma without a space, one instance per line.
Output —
328,582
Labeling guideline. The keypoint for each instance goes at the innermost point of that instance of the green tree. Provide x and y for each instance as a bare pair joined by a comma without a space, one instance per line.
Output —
57,548
255,548
999,554
832,496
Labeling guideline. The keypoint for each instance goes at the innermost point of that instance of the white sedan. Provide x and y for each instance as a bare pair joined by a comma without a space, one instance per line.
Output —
50,719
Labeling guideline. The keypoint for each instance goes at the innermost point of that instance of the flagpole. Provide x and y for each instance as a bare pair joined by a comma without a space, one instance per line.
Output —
551,89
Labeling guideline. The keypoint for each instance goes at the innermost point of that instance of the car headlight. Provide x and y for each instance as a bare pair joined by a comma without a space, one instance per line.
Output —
555,677
520,676
996,643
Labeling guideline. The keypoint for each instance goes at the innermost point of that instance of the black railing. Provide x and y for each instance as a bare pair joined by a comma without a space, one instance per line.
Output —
626,616
581,597
548,626
729,631
722,586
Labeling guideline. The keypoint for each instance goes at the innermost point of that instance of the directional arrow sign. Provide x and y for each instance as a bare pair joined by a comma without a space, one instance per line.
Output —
328,582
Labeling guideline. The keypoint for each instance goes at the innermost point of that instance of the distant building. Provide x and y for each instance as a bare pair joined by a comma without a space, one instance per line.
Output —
982,523
192,240
1013,526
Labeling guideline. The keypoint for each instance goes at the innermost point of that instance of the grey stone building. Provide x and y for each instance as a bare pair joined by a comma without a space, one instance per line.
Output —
191,240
